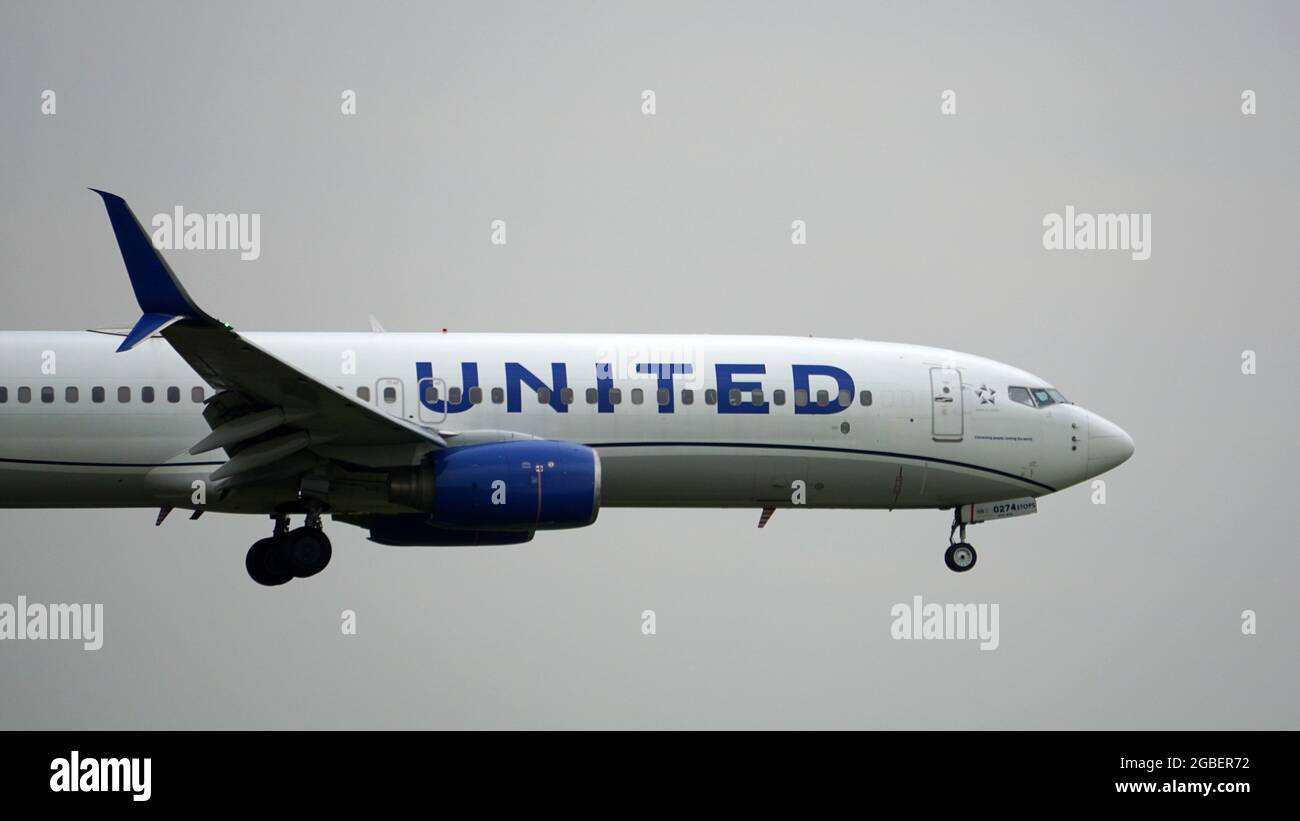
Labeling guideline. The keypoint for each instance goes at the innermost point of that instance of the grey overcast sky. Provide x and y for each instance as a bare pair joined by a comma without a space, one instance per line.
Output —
921,228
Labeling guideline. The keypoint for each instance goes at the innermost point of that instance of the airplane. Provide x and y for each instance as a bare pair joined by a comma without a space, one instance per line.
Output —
478,439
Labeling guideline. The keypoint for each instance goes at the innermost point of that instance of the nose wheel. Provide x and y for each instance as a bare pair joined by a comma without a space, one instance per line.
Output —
960,555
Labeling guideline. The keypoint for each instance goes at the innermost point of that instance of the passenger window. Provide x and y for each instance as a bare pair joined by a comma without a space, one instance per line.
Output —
498,396
476,395
196,395
146,394
4,395
778,397
591,396
24,395
1021,395
123,395
710,397
823,398
453,395
566,396
662,397
688,396
800,398
846,399
390,394
615,396
97,395
47,395
733,397
543,395
865,399
430,394
756,396
173,395
638,396
71,395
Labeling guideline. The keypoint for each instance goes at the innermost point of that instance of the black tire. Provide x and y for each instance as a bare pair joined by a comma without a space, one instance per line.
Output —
960,557
307,551
264,564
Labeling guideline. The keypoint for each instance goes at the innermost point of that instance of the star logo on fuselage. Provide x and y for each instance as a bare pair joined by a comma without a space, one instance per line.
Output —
986,394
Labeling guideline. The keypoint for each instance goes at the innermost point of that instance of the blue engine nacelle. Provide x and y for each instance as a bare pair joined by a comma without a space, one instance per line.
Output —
414,530
522,485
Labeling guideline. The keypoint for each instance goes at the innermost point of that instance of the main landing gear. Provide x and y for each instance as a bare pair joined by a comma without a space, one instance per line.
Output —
959,556
289,554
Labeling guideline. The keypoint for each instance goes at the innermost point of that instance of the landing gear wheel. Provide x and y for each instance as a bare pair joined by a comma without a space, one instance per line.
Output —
959,557
307,551
265,563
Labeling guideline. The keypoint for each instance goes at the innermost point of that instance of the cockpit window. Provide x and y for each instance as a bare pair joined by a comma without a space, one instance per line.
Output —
1036,397
1021,395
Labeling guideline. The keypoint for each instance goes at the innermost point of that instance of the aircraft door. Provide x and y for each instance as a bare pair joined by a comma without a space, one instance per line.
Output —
946,404
389,398
433,401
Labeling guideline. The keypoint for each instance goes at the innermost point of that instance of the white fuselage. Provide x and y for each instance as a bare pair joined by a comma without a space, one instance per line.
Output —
914,444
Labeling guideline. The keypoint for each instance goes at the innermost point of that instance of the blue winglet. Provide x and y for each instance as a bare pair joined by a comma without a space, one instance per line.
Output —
145,327
161,296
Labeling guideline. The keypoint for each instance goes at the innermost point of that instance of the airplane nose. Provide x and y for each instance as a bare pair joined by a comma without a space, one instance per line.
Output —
1108,445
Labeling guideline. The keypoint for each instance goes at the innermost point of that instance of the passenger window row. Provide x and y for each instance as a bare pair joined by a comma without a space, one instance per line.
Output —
637,396
72,395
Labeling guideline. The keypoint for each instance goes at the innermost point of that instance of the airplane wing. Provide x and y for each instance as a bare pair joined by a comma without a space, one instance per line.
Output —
266,411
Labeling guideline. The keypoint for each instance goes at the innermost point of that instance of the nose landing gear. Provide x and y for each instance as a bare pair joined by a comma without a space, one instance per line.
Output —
289,554
960,556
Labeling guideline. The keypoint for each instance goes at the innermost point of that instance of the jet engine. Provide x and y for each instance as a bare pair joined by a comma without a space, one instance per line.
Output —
522,485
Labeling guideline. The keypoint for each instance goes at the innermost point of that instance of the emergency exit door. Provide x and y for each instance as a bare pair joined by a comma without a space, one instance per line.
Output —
388,396
432,403
945,404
